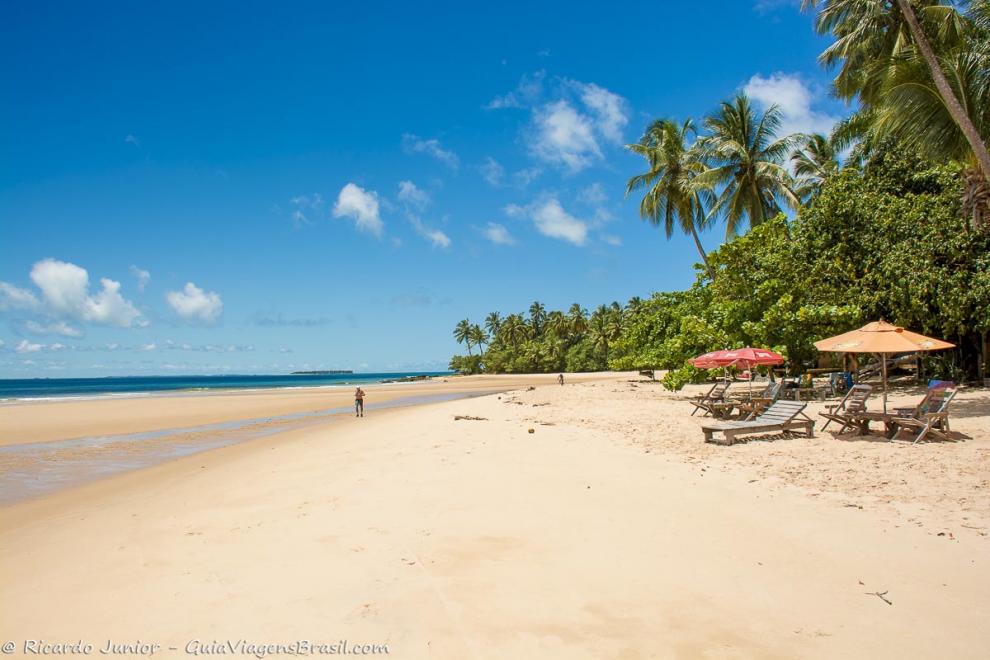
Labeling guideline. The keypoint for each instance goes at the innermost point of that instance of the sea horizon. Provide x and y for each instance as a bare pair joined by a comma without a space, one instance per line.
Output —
44,388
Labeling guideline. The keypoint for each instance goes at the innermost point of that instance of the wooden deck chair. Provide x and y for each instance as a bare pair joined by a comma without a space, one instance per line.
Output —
781,416
752,407
853,402
715,395
928,418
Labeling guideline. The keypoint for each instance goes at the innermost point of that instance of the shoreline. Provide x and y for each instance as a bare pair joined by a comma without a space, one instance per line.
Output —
610,529
41,421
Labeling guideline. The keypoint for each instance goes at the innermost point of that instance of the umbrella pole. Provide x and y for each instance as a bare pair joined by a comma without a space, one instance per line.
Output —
883,356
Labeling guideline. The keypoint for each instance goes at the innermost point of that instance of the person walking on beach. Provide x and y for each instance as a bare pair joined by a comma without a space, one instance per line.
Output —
560,378
359,402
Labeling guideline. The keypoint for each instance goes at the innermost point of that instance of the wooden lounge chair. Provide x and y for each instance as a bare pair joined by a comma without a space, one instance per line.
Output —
844,412
928,418
711,397
781,416
750,408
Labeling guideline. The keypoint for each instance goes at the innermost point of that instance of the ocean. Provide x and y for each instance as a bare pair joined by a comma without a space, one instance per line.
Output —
46,388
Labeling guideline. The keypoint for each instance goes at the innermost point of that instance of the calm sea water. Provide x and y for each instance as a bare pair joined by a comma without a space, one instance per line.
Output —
43,388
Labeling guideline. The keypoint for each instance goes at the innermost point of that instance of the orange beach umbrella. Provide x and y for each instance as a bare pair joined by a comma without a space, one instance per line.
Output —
883,339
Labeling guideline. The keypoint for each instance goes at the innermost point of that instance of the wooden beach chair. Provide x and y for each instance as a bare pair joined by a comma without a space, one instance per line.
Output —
715,395
844,412
781,416
929,418
752,407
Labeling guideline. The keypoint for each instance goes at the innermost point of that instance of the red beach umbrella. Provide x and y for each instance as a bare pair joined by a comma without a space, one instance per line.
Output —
737,357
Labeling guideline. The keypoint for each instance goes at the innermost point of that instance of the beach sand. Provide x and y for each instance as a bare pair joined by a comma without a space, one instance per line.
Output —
609,531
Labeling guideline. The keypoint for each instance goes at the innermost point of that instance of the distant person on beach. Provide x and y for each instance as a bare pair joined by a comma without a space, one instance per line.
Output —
560,378
359,402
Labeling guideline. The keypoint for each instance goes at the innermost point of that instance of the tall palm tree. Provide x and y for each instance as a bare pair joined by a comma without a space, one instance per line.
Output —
870,35
493,323
515,329
462,334
669,200
745,164
815,161
537,317
603,329
478,336
578,318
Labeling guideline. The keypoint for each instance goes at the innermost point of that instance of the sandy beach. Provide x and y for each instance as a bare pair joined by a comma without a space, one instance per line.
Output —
609,531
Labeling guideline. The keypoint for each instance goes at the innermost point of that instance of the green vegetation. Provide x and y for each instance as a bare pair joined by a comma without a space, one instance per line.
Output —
899,231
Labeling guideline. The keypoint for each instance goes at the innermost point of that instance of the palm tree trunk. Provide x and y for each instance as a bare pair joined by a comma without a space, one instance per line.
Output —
701,251
942,84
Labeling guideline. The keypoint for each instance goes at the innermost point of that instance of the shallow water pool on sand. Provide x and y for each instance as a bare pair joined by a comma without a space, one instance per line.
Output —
31,470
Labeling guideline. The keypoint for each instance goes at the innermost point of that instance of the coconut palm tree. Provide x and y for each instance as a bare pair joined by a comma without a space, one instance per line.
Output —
537,317
578,318
462,334
745,164
603,329
669,200
870,35
478,336
515,329
493,323
815,161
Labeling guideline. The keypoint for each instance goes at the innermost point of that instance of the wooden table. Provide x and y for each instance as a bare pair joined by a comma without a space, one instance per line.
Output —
806,393
890,427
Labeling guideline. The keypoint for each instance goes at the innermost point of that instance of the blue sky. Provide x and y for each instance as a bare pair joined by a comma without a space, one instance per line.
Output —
262,187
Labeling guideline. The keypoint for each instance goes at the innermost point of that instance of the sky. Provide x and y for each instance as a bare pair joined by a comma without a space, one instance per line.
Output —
246,187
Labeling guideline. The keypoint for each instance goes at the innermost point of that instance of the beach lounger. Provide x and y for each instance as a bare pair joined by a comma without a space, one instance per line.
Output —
928,418
781,416
750,408
844,412
715,395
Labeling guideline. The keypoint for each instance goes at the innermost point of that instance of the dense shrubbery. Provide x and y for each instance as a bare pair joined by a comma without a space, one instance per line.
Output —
887,241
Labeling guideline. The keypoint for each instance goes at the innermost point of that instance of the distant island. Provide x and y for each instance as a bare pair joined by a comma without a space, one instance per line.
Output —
321,373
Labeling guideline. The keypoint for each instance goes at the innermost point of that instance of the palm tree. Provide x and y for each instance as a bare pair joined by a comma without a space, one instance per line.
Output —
493,323
870,35
670,200
814,162
578,318
537,316
515,329
603,329
745,164
462,334
478,336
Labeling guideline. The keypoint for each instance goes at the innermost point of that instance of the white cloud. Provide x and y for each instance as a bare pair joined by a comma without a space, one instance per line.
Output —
65,288
142,276
612,240
608,109
57,347
27,347
434,236
529,90
498,234
432,147
132,139
794,99
492,171
593,194
413,195
550,219
54,328
303,205
12,297
149,347
564,136
194,304
361,206
527,176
